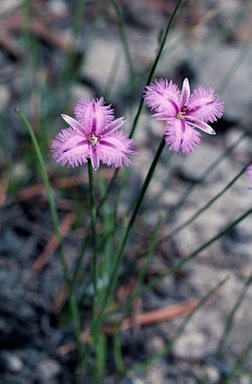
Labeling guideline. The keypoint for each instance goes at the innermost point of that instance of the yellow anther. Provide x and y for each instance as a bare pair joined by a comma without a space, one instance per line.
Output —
180,116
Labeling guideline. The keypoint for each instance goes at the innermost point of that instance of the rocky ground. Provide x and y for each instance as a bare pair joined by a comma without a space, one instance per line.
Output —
31,337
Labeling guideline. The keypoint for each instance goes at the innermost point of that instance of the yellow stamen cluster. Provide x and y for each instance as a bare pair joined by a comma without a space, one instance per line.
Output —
180,116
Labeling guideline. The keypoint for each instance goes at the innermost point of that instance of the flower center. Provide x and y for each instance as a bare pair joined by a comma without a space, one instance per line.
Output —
180,115
93,139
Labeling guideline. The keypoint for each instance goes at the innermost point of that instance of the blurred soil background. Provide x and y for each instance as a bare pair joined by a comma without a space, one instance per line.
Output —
52,53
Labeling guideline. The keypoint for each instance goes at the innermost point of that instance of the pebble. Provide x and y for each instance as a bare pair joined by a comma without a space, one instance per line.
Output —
191,346
8,6
245,380
5,96
104,55
10,362
211,65
212,72
213,374
47,370
141,16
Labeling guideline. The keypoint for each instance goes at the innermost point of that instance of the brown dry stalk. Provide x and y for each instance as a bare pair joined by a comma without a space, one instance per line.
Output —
151,317
15,23
157,316
53,243
4,183
64,182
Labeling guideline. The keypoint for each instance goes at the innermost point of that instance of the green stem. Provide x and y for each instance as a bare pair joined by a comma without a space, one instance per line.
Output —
151,248
109,189
230,320
74,310
239,362
206,173
198,250
51,201
119,254
154,66
94,240
142,193
71,298
125,48
201,210
79,262
185,260
136,210
144,366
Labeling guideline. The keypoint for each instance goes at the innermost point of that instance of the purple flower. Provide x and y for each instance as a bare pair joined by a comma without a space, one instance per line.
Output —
183,112
93,134
249,173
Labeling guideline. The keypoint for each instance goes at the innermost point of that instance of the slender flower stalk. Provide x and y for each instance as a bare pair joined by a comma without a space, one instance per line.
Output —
126,234
93,224
94,135
94,243
155,63
183,112
71,297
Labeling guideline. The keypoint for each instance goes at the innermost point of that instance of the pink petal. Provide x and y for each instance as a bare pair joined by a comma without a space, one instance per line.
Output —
93,115
200,125
205,105
95,161
163,96
114,150
70,148
185,93
249,174
72,122
116,124
181,136
249,171
161,116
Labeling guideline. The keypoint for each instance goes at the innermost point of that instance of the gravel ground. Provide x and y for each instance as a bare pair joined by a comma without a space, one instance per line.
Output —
30,302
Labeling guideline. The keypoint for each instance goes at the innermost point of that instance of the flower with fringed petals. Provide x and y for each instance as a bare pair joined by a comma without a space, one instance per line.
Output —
93,134
183,112
249,173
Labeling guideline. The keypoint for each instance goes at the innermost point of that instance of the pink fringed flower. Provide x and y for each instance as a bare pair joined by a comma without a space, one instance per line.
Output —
93,134
249,173
183,112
